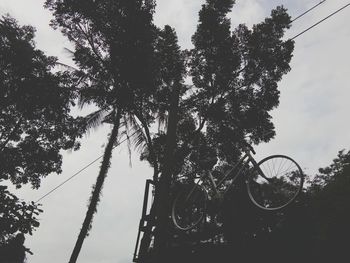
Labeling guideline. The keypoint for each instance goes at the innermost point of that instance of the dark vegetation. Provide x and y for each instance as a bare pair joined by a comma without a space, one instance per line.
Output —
135,72
35,124
314,229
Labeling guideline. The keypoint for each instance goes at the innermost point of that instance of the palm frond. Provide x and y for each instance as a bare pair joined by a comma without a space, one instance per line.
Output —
82,101
90,91
94,119
133,134
69,52
140,139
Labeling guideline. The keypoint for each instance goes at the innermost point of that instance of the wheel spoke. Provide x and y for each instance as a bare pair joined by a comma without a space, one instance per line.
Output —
279,184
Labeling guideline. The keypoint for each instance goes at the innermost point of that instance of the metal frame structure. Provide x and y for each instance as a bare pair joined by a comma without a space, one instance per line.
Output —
146,224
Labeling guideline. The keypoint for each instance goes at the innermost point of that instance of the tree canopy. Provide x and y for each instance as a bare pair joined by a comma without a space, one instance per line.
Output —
128,65
115,55
234,75
183,106
313,229
35,124
114,48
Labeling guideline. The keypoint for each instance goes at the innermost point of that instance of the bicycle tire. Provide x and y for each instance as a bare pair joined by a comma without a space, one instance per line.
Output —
279,185
189,206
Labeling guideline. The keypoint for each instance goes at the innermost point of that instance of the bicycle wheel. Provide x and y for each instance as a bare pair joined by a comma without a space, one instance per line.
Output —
189,207
275,182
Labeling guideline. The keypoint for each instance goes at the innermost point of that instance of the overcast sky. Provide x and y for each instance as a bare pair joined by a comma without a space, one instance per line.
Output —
311,124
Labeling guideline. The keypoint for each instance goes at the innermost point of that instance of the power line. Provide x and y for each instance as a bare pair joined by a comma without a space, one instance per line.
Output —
319,22
81,170
307,11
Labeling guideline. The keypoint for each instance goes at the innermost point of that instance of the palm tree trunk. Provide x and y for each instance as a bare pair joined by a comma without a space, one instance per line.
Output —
95,198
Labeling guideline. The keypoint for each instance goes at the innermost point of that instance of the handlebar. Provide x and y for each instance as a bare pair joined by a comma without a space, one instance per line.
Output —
249,146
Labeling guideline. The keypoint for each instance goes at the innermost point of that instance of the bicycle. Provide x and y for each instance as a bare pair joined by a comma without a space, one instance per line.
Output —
272,184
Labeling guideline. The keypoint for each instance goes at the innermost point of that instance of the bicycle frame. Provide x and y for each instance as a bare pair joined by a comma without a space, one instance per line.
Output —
243,161
202,191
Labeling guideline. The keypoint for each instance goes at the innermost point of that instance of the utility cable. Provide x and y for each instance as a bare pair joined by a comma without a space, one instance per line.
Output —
81,170
307,11
319,22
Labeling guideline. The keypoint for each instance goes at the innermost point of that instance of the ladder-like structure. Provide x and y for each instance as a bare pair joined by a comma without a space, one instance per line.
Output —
145,235
143,252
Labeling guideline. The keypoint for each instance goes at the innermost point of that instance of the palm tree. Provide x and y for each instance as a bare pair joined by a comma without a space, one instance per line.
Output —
114,52
95,196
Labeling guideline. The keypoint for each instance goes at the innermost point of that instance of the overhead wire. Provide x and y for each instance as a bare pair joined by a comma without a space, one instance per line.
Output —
319,22
307,11
81,170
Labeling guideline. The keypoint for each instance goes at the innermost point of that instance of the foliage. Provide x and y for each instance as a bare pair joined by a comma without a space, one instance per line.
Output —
330,206
171,62
235,76
114,48
314,229
15,215
126,64
234,73
234,87
117,60
14,251
35,124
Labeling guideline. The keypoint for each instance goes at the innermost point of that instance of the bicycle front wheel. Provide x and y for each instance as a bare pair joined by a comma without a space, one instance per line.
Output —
275,182
189,207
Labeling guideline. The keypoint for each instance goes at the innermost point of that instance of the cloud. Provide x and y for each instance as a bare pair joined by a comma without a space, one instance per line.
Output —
180,14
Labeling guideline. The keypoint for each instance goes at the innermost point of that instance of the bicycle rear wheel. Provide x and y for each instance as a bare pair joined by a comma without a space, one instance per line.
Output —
275,182
189,207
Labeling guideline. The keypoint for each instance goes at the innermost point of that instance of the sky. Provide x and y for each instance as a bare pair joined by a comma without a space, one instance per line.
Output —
311,125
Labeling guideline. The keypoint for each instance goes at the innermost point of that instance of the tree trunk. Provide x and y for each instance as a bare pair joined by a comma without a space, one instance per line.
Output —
162,194
95,198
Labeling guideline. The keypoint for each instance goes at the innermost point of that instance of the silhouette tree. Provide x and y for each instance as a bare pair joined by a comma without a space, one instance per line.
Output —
173,77
329,209
234,76
16,216
128,67
115,53
35,124
314,229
